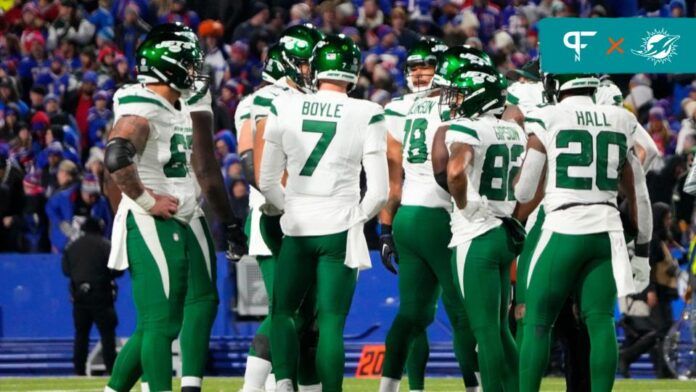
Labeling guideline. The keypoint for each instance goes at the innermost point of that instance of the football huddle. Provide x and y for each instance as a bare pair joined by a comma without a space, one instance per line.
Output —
470,178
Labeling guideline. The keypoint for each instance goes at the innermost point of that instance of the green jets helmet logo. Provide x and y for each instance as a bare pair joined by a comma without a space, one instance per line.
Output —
479,77
473,59
175,46
291,43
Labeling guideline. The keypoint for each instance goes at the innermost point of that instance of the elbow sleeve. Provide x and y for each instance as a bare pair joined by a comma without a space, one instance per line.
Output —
526,187
247,158
119,153
441,180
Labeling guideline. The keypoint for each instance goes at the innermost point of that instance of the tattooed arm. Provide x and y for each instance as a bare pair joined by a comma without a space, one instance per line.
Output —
127,138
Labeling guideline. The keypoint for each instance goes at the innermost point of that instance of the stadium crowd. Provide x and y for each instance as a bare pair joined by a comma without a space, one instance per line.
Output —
62,60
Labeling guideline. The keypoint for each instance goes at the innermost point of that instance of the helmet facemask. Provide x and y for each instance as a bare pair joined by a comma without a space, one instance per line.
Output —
419,77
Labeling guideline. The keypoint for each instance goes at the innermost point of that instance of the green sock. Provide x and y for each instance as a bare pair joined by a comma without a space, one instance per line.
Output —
417,361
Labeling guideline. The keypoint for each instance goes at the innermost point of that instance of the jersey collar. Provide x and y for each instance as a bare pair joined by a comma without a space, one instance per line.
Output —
578,100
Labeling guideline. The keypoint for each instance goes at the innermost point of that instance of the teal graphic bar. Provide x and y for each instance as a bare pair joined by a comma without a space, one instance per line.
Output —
618,45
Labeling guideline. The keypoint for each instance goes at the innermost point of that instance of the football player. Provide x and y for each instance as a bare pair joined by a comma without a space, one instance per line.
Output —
162,236
485,155
579,154
321,140
296,45
423,256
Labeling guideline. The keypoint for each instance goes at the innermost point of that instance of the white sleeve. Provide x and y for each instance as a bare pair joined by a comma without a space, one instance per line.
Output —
530,175
377,175
460,133
395,122
272,166
644,210
376,138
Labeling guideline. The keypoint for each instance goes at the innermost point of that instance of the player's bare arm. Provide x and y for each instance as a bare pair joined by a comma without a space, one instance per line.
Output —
206,169
396,175
246,151
513,113
461,157
439,157
128,138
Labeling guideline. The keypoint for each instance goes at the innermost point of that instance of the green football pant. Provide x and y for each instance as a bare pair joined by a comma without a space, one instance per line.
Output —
568,264
304,319
303,263
201,304
158,252
523,261
482,267
425,273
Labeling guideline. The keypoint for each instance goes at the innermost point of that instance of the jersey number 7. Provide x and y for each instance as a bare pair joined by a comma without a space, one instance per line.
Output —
327,129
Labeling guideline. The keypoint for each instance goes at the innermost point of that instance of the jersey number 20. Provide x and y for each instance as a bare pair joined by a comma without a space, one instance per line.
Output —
586,156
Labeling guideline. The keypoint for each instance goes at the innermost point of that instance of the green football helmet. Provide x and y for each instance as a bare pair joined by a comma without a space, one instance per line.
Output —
273,67
297,43
176,28
336,57
424,53
170,55
554,84
456,57
474,90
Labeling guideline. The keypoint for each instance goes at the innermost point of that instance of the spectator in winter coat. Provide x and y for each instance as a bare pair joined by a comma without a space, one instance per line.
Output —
70,25
32,220
99,117
68,208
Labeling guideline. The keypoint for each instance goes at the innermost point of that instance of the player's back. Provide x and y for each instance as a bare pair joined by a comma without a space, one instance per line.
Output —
586,146
324,137
420,125
498,152
164,165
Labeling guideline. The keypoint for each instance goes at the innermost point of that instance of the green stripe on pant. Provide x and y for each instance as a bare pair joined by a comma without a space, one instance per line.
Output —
483,272
422,235
579,264
191,292
304,263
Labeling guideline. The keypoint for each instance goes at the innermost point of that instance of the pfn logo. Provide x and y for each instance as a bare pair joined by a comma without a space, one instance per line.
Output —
573,40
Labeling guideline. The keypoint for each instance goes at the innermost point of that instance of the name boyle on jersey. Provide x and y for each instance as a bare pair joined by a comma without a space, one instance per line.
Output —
329,110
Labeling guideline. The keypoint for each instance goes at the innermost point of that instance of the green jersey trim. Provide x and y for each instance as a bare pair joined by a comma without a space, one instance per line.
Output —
195,98
273,109
261,101
245,116
535,120
376,118
465,130
138,99
389,112
512,99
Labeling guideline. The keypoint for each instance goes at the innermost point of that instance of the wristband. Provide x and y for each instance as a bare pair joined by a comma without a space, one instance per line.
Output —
386,229
145,201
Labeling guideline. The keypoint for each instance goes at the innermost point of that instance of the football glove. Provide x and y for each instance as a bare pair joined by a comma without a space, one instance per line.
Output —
236,241
388,249
641,272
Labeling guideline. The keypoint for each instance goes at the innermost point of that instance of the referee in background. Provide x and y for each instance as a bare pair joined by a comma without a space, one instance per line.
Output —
92,292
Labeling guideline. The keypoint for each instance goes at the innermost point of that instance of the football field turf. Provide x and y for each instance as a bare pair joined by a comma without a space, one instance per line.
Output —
226,384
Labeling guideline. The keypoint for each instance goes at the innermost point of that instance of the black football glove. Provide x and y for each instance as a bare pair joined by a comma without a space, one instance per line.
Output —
236,241
387,249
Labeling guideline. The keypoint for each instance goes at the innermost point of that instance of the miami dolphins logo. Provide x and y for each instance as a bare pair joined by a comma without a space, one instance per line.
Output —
658,46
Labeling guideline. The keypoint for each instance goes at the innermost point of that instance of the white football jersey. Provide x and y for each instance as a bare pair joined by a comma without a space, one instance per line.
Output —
324,137
499,148
527,96
395,114
586,146
243,111
416,136
165,164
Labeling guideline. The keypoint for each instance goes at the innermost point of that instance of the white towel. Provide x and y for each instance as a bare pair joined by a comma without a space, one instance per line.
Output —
357,254
118,258
621,264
